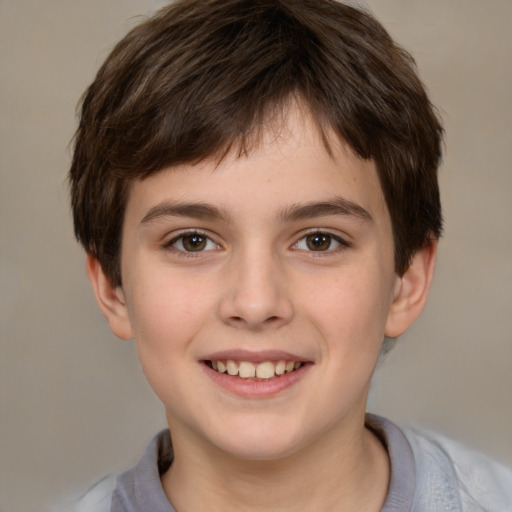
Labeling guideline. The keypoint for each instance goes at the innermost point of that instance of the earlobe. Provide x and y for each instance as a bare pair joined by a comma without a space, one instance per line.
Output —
110,298
411,291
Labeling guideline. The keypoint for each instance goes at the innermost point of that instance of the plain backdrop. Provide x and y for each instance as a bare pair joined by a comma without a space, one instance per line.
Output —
75,406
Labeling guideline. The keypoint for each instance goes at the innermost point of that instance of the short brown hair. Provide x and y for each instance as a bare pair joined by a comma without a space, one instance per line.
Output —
201,77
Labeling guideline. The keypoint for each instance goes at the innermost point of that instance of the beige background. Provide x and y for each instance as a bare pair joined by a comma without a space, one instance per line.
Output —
74,404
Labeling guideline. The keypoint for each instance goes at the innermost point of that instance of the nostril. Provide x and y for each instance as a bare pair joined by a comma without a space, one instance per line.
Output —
240,321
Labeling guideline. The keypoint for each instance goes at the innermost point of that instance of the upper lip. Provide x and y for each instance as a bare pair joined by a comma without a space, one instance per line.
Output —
253,357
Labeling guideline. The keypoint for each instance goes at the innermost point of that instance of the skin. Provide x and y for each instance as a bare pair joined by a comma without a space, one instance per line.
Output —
256,285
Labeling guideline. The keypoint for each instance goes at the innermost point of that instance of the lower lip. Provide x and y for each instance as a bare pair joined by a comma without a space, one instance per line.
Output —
247,388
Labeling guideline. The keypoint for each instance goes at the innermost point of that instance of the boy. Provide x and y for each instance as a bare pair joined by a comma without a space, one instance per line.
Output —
255,184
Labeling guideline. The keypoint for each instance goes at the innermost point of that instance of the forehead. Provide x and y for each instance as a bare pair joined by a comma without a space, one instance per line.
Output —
291,162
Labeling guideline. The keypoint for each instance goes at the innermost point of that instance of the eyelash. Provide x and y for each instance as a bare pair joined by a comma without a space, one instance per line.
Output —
342,244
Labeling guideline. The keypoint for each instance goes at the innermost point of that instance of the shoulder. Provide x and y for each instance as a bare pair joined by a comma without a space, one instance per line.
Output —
479,482
138,488
97,498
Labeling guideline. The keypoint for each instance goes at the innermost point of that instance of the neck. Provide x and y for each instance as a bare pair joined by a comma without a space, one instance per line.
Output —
342,471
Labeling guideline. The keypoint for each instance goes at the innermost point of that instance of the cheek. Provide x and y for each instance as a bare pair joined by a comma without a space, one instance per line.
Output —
166,313
166,320
351,310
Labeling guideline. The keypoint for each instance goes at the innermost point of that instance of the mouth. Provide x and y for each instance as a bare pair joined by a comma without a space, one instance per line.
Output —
247,370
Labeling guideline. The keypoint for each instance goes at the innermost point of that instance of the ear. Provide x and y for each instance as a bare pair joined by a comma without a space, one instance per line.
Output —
110,299
411,291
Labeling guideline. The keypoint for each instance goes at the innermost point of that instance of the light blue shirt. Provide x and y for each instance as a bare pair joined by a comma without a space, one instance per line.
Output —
429,473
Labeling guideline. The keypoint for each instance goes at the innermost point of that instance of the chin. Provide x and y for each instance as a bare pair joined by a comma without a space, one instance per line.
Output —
262,449
260,441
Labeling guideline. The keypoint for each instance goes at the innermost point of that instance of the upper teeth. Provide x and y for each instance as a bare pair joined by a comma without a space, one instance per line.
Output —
247,370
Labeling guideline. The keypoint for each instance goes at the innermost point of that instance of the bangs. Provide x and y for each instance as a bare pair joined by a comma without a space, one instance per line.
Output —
205,78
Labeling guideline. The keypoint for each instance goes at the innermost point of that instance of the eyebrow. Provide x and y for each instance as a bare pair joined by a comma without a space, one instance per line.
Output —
192,210
334,206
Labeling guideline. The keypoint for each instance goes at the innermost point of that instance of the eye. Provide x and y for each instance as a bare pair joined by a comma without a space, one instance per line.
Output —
319,242
192,242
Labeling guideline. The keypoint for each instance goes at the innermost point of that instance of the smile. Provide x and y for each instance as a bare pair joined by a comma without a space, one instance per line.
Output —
265,370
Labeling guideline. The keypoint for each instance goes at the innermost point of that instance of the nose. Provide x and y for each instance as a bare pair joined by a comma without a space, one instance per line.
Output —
255,293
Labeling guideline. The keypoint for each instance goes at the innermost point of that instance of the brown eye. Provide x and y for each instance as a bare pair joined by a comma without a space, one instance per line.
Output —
319,242
193,242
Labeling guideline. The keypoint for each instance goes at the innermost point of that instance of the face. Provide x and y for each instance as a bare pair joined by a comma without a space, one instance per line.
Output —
258,292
